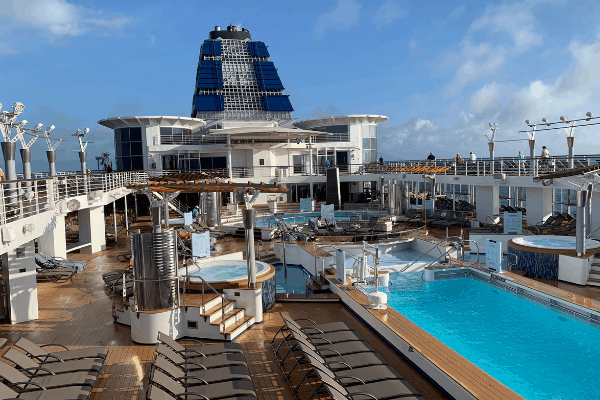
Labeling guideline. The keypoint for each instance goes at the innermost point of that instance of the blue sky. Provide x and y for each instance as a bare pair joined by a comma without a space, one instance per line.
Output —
440,70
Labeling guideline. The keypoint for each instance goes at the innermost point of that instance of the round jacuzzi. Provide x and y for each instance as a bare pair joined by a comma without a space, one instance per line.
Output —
552,257
222,271
229,274
550,242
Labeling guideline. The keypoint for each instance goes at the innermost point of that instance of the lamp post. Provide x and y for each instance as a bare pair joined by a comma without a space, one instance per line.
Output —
51,152
9,146
492,144
531,147
83,154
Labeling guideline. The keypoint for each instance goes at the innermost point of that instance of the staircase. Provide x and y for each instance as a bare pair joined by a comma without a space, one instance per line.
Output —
229,325
175,204
594,278
269,258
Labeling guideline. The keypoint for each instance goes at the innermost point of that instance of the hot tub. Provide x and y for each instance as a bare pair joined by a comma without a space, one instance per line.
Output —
553,257
228,274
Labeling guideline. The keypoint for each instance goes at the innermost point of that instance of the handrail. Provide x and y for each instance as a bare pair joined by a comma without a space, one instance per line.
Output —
186,281
424,254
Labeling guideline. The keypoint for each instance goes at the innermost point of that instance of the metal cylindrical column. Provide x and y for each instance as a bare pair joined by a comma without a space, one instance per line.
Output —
571,144
115,221
532,156
392,197
580,196
83,161
588,209
248,216
491,146
51,154
381,196
8,151
405,198
26,158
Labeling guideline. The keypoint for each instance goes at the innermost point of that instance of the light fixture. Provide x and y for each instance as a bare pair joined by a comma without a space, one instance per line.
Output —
18,107
0,106
527,122
38,127
544,120
23,123
86,130
51,128
588,114
563,119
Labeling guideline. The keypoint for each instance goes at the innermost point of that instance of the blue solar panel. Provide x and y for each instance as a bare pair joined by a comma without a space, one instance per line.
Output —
211,48
258,49
209,102
210,75
266,76
277,103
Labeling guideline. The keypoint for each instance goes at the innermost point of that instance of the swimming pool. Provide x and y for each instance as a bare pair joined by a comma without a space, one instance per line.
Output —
298,218
537,351
293,283
399,259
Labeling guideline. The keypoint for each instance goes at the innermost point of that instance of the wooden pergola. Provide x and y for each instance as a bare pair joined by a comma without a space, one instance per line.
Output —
172,186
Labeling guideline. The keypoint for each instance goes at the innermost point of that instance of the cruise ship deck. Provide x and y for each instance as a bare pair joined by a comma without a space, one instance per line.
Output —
77,314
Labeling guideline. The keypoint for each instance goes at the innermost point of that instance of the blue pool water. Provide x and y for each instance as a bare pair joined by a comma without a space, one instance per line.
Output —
222,272
294,283
538,352
294,218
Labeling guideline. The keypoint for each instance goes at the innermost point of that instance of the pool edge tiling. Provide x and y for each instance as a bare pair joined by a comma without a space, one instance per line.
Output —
459,377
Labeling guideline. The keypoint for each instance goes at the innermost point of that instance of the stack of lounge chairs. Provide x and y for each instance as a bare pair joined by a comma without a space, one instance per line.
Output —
332,359
39,375
209,372
56,270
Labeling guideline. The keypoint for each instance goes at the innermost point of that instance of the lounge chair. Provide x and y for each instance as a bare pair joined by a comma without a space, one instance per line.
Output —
370,228
552,222
449,217
313,224
437,214
66,393
410,214
27,364
374,373
332,227
317,328
213,391
209,376
61,262
566,229
353,224
218,361
389,390
202,350
349,361
48,381
55,275
42,355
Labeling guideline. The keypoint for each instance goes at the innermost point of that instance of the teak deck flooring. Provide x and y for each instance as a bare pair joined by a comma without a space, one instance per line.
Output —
77,314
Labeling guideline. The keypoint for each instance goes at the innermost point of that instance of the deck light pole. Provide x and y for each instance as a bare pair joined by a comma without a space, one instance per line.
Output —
26,149
82,154
51,152
531,135
8,121
491,144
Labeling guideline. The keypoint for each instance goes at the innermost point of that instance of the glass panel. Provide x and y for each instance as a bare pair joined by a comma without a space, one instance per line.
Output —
117,135
194,163
373,155
125,150
124,134
373,130
137,163
219,162
119,164
118,149
165,131
177,131
135,134
373,143
366,156
366,143
136,149
126,163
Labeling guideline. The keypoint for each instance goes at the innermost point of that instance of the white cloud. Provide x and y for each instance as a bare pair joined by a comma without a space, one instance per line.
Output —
412,43
387,13
152,39
455,13
571,93
485,98
342,17
516,20
60,18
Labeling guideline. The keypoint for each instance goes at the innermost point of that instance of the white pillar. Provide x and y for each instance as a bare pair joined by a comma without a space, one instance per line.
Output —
126,222
595,220
310,167
91,229
229,166
539,204
488,203
19,271
53,241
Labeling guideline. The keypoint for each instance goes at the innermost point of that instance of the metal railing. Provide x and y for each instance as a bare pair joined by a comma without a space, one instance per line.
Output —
186,281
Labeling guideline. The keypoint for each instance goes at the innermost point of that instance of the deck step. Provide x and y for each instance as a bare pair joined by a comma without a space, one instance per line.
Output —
595,274
235,329
270,260
316,288
593,282
595,267
231,318
330,270
215,312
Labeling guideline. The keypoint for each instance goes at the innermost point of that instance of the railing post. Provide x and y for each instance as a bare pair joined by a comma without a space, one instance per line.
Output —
35,192
20,198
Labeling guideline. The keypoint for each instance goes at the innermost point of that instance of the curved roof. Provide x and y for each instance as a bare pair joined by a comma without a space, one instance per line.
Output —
124,122
341,119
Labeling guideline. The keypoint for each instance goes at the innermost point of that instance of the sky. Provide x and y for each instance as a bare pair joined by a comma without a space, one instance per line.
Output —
440,70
